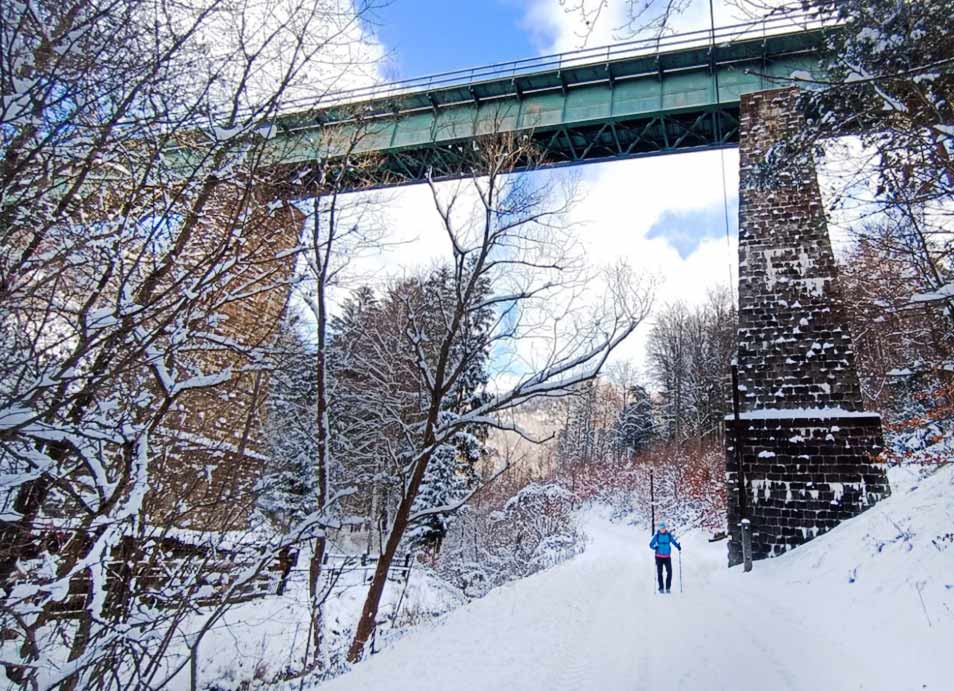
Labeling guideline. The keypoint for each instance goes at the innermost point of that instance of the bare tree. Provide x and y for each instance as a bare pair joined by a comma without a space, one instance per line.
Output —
503,260
690,350
138,239
337,231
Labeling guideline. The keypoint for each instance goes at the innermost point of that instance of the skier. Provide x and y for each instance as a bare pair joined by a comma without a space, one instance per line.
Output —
662,542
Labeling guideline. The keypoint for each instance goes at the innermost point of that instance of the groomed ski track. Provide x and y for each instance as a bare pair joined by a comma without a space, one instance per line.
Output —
595,622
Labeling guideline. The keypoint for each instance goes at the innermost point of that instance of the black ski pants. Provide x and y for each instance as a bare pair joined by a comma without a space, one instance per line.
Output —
664,563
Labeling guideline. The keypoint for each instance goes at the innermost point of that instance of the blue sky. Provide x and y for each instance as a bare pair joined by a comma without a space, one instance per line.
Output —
427,36
686,229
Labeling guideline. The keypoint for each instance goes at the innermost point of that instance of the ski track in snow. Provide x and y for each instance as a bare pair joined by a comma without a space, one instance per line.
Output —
596,622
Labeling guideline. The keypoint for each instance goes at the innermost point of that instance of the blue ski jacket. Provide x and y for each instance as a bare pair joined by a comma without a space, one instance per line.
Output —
662,543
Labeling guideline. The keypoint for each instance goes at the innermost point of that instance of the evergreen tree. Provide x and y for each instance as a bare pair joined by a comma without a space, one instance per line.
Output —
690,351
376,399
286,491
450,474
378,351
635,427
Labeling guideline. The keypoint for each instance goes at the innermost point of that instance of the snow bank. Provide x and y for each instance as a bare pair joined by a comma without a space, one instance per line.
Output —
882,584
802,413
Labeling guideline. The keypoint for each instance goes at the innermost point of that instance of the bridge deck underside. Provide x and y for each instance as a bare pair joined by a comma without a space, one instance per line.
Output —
567,145
682,101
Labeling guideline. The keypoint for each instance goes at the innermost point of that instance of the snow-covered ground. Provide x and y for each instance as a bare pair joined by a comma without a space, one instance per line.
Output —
256,641
868,606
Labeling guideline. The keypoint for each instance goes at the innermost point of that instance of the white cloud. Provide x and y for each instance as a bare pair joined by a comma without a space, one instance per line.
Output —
556,26
620,202
553,28
624,199
316,47
847,176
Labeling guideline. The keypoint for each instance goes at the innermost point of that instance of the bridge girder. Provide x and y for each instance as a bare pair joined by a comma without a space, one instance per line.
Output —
680,100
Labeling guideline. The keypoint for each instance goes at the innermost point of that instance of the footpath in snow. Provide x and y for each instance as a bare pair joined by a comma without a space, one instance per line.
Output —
868,606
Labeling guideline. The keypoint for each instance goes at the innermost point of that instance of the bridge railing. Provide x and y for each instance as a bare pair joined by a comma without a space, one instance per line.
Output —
712,38
720,36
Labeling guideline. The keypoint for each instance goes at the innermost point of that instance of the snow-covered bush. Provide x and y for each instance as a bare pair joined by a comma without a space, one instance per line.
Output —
535,528
686,482
492,544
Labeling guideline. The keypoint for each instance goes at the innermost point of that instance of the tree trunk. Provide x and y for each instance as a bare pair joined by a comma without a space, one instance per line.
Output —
323,255
314,587
369,612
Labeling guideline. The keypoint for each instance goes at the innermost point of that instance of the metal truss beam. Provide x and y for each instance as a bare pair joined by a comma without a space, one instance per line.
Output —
646,105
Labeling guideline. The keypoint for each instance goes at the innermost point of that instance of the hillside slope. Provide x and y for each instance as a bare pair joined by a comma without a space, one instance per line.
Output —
868,606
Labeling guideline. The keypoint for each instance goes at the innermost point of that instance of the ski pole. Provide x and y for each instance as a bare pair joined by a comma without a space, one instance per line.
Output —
680,571
655,577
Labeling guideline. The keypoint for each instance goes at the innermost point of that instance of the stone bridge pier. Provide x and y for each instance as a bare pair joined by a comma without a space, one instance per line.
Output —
808,448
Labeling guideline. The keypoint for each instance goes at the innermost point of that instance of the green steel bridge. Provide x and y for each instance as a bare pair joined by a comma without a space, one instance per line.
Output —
642,98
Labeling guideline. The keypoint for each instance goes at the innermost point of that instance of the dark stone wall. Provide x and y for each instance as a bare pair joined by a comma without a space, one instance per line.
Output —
794,347
804,476
808,449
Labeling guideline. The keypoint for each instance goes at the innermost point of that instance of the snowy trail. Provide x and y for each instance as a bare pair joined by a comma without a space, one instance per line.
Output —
868,606
596,623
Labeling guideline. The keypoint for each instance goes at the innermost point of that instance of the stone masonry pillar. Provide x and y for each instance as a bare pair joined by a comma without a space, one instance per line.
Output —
808,448
213,437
